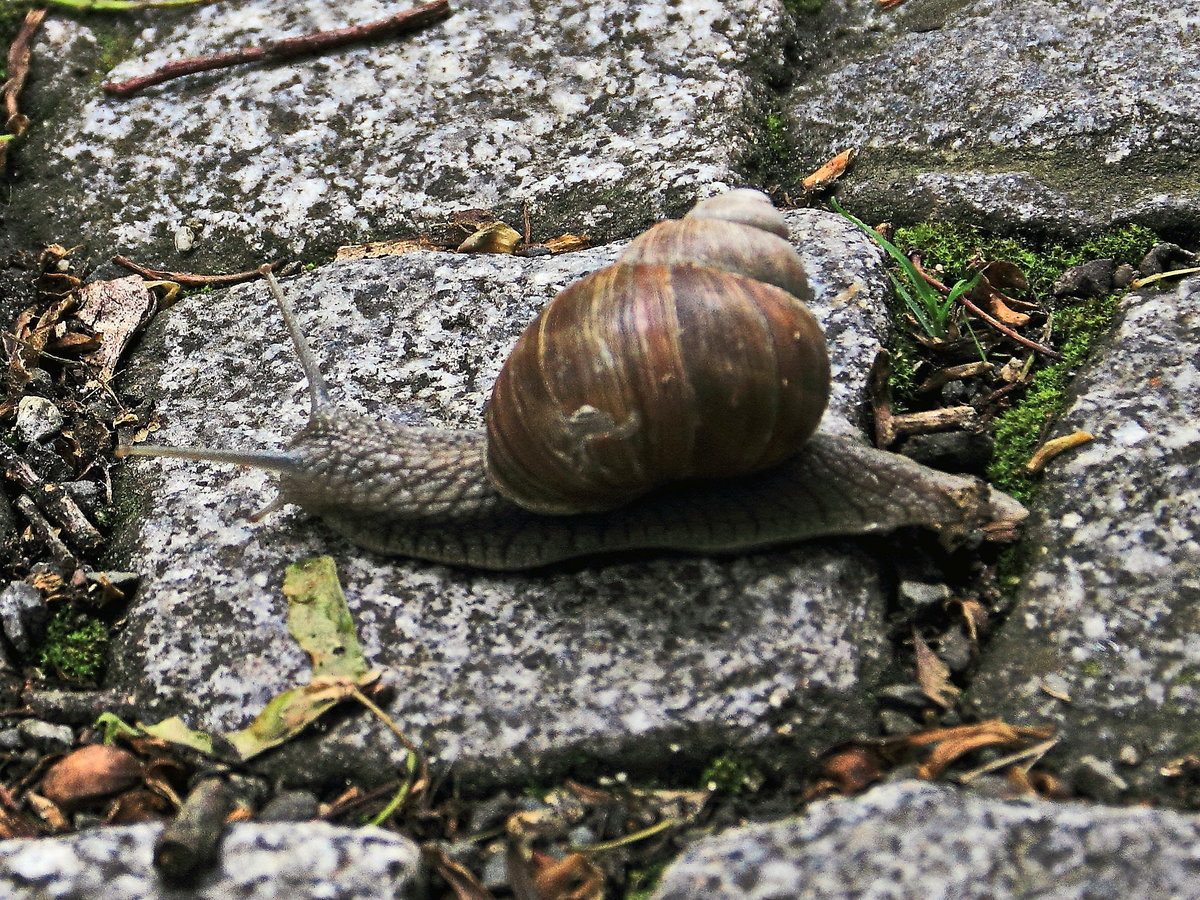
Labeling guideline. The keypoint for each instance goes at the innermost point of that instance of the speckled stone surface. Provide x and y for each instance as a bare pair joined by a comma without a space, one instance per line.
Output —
285,861
626,659
1109,608
1052,115
916,840
596,115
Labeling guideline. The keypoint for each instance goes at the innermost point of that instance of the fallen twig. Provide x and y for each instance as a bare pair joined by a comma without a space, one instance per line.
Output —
288,48
191,840
189,279
1054,447
19,54
53,500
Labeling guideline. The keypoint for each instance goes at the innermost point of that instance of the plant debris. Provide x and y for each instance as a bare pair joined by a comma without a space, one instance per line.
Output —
19,55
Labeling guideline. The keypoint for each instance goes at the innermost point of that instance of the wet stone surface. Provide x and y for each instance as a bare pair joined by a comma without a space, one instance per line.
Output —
603,118
915,840
301,861
1055,116
1107,614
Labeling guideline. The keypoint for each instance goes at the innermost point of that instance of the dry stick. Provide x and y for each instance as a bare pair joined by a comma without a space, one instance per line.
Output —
189,279
991,320
18,70
289,48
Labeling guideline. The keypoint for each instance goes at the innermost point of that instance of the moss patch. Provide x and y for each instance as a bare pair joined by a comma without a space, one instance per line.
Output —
1077,326
76,646
731,774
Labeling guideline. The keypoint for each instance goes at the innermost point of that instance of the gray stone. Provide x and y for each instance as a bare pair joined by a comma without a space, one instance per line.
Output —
915,840
647,661
1056,116
46,737
23,616
292,861
37,419
601,117
1107,608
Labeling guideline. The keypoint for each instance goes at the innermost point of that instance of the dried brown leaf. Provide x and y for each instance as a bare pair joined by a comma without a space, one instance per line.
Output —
465,885
47,810
830,172
386,248
933,675
851,769
574,877
493,237
117,310
1054,447
138,805
975,616
88,773
954,743
568,243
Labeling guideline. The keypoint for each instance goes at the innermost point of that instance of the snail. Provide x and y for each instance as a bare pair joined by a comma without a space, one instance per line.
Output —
668,401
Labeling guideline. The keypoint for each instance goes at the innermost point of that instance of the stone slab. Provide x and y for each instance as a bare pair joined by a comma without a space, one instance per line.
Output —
284,861
1053,116
916,840
1109,609
603,118
643,661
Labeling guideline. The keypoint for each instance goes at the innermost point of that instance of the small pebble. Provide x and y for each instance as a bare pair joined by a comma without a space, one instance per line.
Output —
46,737
916,594
185,239
88,494
290,806
37,419
23,616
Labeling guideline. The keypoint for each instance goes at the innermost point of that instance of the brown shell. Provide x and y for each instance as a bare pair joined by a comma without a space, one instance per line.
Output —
664,366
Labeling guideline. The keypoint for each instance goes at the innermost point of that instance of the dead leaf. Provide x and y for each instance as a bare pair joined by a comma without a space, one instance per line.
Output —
493,237
975,616
995,278
377,249
933,675
320,621
48,811
568,243
88,773
574,877
138,805
117,310
830,172
852,769
465,885
949,744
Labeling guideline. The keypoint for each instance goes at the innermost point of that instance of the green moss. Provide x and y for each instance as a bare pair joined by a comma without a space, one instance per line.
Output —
1077,324
731,774
904,357
1092,668
954,247
642,883
1018,431
804,7
776,131
75,646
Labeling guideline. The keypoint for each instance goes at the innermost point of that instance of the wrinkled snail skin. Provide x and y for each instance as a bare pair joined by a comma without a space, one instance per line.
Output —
424,493
625,392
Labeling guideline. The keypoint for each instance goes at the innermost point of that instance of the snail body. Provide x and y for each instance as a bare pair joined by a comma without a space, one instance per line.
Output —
667,401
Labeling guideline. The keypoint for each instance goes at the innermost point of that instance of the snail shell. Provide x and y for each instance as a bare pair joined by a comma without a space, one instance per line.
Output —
693,356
